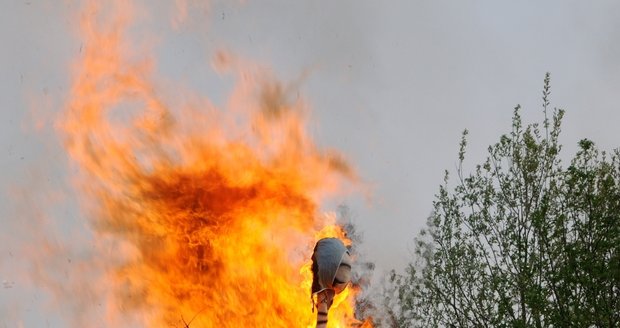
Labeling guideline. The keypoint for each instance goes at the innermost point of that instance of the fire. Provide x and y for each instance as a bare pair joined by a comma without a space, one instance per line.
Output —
204,216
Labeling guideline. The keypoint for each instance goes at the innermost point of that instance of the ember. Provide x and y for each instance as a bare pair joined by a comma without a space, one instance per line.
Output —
211,213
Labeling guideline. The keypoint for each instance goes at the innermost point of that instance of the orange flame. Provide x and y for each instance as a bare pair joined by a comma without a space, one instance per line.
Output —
210,213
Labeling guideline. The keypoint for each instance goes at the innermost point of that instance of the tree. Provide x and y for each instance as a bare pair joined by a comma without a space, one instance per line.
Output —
520,241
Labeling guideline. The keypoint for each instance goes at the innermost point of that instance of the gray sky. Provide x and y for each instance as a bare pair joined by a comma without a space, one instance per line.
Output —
392,85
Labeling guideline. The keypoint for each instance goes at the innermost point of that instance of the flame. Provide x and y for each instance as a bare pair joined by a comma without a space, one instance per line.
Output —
204,216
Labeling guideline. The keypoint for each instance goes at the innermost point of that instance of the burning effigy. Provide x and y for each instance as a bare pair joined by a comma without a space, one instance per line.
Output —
203,215
331,274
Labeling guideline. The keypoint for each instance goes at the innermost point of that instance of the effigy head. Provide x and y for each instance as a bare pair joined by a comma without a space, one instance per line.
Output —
331,266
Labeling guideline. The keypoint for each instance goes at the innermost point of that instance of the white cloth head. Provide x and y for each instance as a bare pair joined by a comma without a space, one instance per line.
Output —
328,254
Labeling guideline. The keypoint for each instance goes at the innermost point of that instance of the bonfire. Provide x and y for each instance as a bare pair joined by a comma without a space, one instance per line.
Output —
203,215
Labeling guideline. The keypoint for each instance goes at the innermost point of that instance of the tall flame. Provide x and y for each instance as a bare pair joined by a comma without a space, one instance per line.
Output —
210,214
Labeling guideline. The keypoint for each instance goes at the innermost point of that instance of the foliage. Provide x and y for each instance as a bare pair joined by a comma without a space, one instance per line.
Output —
520,241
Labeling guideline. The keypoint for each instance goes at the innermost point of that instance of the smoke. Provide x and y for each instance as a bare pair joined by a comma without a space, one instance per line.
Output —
369,299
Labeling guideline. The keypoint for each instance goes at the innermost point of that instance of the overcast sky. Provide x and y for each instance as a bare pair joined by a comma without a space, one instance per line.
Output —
392,84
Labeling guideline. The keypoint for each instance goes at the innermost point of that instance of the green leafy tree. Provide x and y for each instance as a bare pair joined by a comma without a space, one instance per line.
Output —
520,241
